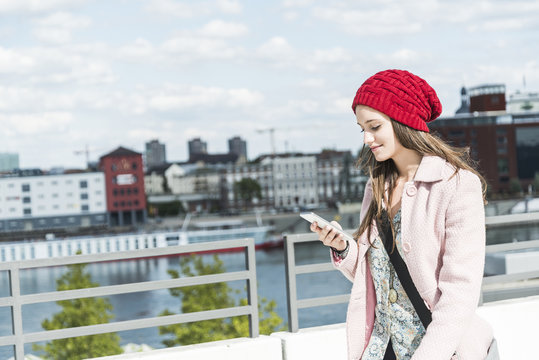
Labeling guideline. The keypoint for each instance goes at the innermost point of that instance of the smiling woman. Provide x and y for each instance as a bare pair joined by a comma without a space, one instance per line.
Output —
420,246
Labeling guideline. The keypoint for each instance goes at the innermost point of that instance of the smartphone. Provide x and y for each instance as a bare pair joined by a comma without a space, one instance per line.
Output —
312,217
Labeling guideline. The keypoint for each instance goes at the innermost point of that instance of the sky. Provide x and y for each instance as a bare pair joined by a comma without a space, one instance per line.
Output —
97,74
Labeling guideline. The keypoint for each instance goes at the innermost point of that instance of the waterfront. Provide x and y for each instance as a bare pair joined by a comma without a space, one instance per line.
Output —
271,284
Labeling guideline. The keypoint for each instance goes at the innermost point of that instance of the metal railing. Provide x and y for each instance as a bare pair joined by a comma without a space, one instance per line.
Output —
487,292
16,300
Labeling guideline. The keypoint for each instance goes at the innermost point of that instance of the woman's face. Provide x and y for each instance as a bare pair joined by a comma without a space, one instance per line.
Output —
378,133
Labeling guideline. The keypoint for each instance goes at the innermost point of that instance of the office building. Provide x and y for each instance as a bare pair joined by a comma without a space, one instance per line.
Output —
237,146
9,161
124,182
155,154
33,202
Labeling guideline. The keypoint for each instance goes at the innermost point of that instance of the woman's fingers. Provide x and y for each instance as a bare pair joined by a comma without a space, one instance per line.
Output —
329,236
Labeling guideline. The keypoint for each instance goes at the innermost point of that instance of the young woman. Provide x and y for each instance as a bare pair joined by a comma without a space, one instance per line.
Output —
434,200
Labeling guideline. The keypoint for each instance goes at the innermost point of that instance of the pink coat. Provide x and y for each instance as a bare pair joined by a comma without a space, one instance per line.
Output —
443,238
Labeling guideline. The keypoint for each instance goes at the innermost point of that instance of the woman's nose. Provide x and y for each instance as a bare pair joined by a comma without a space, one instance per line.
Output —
368,138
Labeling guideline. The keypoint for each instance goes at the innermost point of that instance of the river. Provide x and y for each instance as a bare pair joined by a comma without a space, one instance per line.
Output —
271,285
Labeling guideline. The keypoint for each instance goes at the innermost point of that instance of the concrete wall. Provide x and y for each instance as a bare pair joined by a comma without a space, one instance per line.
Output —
514,322
261,348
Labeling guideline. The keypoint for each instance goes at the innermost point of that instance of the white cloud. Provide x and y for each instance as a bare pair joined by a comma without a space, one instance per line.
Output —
179,98
58,27
188,48
313,82
219,28
12,61
230,6
278,51
185,9
36,123
64,20
34,6
140,49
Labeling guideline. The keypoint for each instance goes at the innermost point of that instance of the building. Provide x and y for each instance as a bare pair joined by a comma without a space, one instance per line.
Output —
295,180
34,202
238,146
523,102
197,146
155,154
487,98
9,161
505,143
124,183
339,179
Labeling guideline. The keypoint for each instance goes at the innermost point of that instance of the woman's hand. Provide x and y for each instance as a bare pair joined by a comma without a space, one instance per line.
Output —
329,236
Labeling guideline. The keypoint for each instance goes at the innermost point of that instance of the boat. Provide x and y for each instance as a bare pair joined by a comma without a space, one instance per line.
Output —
200,232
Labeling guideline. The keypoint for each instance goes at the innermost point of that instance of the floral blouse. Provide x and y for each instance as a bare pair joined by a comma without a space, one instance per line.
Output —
396,318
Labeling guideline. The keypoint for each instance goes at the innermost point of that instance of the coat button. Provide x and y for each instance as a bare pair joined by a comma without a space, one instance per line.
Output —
411,190
406,246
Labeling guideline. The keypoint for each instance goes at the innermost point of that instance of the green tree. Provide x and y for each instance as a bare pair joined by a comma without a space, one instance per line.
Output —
248,189
80,312
536,183
210,297
514,186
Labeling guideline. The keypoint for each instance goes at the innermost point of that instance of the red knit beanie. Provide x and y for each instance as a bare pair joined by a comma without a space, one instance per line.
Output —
402,96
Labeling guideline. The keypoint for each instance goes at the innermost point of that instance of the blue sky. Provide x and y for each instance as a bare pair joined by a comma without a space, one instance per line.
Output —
78,73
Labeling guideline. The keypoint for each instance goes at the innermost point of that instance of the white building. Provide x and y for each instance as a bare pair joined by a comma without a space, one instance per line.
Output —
49,201
9,161
523,102
295,181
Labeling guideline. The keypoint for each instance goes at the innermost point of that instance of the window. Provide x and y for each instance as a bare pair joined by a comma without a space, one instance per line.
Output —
134,166
85,207
54,196
26,200
27,211
115,192
25,187
83,184
84,196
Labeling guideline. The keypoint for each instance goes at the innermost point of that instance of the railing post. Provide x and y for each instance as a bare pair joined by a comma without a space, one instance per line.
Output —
252,293
292,301
16,312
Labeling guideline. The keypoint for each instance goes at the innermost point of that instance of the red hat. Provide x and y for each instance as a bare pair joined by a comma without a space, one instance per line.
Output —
402,96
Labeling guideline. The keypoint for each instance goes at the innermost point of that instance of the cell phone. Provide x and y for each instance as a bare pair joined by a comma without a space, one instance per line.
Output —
312,217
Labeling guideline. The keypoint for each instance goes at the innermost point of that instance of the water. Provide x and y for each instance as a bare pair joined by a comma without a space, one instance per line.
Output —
271,285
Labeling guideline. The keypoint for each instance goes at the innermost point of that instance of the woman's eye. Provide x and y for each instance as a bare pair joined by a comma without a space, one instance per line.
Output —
376,127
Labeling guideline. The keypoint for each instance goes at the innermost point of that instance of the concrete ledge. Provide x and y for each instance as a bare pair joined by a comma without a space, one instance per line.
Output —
322,342
261,348
514,322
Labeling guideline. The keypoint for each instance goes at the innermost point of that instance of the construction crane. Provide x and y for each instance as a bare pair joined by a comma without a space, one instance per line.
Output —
86,151
272,137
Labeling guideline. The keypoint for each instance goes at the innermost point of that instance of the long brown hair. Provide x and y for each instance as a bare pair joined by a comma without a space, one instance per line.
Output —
385,172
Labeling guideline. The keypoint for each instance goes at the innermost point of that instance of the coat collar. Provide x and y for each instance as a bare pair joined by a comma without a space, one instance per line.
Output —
430,169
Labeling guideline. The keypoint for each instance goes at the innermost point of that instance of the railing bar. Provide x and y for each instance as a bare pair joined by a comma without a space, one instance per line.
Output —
6,301
8,340
513,219
126,255
291,288
529,244
321,301
135,324
133,287
16,312
252,296
505,278
313,268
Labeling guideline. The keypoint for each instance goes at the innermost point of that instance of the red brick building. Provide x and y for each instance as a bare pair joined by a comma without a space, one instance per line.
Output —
124,184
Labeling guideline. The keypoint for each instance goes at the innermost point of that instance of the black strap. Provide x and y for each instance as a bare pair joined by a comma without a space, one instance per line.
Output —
384,229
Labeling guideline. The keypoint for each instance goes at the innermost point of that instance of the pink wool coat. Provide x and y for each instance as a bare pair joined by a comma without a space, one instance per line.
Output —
443,238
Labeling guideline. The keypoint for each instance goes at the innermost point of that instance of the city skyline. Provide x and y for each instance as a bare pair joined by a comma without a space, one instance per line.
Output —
79,73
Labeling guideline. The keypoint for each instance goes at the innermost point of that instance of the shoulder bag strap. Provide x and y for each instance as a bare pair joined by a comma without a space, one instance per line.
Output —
401,269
